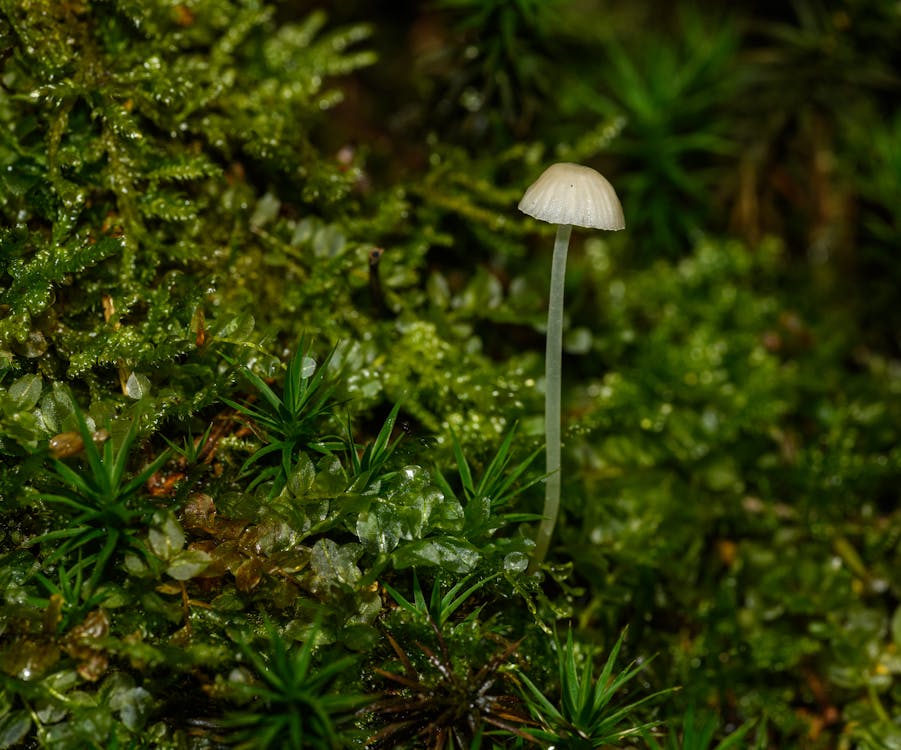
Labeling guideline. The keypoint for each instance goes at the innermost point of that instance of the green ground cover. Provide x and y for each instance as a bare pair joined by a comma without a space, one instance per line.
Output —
272,360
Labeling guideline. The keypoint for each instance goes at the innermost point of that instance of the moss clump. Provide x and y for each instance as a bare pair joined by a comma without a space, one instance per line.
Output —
270,377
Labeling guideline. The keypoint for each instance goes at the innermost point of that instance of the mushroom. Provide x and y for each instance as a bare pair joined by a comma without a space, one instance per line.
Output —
565,194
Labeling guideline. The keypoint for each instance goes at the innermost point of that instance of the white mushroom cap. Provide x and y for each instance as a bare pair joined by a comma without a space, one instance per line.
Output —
572,194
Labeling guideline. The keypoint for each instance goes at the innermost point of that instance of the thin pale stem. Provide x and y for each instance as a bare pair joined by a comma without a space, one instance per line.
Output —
553,377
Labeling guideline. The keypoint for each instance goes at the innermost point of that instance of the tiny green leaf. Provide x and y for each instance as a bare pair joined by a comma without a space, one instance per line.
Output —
188,564
26,391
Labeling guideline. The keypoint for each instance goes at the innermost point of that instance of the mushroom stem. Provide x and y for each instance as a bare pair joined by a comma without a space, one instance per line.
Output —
553,377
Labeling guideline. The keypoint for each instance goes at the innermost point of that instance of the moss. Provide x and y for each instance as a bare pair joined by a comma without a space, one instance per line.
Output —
213,207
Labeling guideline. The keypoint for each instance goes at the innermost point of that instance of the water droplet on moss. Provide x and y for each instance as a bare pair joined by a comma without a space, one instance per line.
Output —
516,562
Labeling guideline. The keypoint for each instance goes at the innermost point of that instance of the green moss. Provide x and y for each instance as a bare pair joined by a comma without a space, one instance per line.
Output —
200,517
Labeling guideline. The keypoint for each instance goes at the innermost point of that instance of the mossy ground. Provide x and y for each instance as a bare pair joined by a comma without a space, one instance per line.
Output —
271,340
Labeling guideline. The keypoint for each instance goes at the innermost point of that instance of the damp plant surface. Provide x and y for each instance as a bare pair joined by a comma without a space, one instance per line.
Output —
272,377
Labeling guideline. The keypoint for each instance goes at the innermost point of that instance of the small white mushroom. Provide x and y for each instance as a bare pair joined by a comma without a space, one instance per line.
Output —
567,195
576,195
